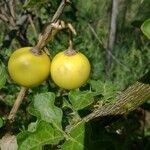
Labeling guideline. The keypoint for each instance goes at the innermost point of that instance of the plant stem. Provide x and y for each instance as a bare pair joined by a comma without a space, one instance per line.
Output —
130,99
112,35
59,11
102,46
17,103
70,40
32,25
47,32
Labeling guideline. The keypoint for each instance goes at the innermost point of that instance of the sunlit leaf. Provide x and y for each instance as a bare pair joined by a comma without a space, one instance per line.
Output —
76,141
81,99
3,75
44,108
146,28
45,134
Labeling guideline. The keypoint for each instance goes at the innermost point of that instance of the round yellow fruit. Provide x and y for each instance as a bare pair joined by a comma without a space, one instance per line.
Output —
28,68
70,71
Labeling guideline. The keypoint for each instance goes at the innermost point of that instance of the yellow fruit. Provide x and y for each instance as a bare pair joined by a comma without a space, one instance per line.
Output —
27,68
70,71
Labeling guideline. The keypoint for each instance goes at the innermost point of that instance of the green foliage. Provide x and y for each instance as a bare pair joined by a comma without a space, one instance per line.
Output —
45,134
44,119
3,75
81,99
146,28
1,122
107,89
44,108
76,139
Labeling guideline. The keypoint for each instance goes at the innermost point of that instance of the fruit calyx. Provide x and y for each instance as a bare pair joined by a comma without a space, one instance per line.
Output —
70,52
35,51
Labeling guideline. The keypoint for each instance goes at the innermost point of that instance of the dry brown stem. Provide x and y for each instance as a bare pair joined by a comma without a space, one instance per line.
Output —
17,103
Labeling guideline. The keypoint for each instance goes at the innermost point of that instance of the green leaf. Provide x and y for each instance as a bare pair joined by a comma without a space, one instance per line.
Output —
81,99
107,89
44,108
10,99
1,122
76,141
44,134
146,28
3,75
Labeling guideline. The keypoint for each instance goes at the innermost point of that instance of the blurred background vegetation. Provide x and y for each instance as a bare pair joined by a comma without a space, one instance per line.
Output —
131,59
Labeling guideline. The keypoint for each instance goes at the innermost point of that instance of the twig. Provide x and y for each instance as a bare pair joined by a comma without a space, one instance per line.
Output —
13,33
59,11
3,18
17,103
32,25
112,35
11,8
2,98
8,12
71,28
95,34
43,38
4,14
101,44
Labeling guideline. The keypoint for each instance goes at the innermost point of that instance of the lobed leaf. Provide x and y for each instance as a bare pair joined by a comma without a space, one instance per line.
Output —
45,134
44,108
146,28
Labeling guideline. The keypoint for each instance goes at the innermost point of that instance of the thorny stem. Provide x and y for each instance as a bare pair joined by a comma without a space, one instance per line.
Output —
130,99
17,103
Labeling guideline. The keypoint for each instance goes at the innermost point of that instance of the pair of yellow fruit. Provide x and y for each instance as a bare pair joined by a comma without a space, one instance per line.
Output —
67,70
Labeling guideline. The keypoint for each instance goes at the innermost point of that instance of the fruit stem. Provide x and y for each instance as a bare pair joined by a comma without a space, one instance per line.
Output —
17,103
70,40
70,51
70,45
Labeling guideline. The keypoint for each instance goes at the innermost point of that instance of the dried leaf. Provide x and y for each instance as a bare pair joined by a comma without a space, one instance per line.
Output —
8,142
